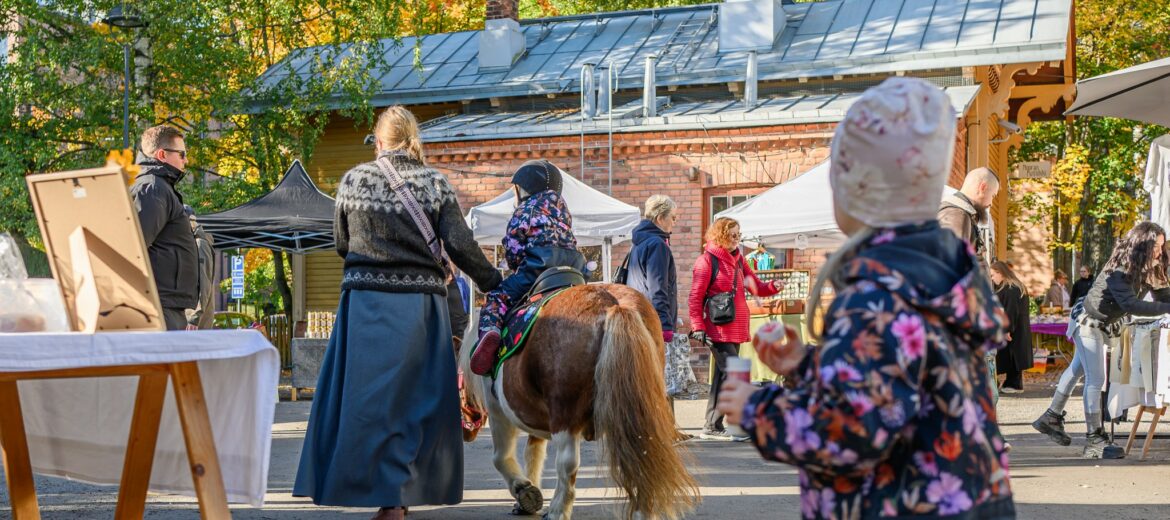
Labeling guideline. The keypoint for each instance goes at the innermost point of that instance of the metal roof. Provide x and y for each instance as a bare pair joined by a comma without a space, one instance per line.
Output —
821,39
826,108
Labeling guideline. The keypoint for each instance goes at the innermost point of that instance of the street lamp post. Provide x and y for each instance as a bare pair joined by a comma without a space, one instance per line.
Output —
122,17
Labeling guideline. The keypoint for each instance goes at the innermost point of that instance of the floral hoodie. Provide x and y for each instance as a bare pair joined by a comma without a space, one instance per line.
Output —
541,220
892,415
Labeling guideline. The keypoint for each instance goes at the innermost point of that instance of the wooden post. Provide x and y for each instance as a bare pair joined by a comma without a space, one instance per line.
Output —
1137,421
148,406
1153,427
17,467
197,433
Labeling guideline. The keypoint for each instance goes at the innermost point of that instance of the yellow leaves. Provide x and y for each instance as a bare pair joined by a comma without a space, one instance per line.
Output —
125,159
256,258
1069,176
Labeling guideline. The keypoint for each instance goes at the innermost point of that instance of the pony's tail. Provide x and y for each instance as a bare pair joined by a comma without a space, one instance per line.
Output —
633,420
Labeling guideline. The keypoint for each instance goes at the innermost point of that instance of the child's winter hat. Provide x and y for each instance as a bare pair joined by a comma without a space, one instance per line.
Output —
537,176
892,154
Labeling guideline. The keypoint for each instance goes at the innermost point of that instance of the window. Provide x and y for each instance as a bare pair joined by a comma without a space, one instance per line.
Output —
722,202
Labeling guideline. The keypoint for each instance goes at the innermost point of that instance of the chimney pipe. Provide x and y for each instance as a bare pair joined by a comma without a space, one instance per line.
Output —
501,42
751,88
588,96
649,89
604,88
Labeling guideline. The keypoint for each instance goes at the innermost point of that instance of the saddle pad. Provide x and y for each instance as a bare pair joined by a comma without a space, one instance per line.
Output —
518,323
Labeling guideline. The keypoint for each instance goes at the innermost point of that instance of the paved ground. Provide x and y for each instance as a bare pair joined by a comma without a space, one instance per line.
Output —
1051,482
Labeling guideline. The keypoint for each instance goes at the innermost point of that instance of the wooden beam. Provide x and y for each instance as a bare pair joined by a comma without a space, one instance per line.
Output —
200,441
14,447
148,406
68,373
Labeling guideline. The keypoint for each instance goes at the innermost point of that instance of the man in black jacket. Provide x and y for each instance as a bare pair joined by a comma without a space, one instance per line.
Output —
166,229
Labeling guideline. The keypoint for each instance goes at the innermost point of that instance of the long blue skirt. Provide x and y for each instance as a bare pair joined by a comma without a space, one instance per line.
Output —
384,429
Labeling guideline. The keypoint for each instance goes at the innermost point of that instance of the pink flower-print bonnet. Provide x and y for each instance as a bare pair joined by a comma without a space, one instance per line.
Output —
892,154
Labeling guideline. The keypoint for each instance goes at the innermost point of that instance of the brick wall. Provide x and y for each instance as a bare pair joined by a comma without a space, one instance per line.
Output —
497,9
685,165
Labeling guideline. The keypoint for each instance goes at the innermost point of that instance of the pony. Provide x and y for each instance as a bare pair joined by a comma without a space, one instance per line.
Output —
592,369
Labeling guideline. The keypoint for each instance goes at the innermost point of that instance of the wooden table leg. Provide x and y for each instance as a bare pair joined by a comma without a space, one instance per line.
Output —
148,406
1137,421
17,467
1153,427
200,441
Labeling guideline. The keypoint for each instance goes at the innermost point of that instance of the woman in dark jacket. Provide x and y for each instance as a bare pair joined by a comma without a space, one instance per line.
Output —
731,273
1081,287
384,430
652,272
891,415
1136,268
651,263
1016,356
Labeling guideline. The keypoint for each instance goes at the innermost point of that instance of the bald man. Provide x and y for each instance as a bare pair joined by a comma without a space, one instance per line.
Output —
966,209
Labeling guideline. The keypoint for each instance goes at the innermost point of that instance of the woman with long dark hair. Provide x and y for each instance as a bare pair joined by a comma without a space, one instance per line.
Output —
1016,356
1136,268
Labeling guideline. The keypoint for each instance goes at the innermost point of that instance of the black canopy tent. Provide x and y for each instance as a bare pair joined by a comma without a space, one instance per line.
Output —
295,217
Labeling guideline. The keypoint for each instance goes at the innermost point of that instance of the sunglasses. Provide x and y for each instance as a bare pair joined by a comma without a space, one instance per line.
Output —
182,153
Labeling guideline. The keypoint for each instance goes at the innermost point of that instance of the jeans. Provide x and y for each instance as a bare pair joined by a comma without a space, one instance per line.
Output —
993,378
1088,361
719,354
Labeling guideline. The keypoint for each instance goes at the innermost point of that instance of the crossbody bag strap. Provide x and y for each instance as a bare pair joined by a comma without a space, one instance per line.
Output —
398,184
714,272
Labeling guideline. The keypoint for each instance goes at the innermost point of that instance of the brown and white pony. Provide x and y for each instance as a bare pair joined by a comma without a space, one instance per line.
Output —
592,370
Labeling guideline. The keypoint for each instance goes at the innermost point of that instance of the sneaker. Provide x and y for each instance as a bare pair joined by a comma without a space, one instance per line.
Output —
1098,446
1010,390
483,360
1052,425
715,435
740,438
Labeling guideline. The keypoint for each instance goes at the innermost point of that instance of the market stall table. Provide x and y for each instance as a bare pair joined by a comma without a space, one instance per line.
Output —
1054,330
97,408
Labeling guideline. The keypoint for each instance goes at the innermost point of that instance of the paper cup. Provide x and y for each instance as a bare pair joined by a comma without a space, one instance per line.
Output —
738,368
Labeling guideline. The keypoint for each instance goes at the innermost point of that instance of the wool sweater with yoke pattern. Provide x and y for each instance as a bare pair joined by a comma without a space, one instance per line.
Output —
384,249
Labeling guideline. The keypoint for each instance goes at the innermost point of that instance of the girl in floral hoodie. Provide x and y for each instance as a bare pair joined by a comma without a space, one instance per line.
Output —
891,415
539,237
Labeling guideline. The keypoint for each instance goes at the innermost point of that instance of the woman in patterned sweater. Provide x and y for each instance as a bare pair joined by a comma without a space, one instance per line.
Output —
891,415
384,429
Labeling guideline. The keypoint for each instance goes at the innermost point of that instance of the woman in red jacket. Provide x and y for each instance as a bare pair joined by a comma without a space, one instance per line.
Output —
733,274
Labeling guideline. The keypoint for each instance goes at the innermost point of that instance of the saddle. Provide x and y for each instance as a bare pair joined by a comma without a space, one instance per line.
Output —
519,320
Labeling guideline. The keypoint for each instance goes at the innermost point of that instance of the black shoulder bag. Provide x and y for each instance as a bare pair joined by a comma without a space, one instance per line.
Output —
623,273
720,307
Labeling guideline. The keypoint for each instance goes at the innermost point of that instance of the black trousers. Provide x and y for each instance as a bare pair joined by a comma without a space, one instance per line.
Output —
175,318
719,354
1014,379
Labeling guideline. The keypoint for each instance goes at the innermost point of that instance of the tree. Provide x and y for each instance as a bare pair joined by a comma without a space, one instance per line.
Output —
197,65
1102,157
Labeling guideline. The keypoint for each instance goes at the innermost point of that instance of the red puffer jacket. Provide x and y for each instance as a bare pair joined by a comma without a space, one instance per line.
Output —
701,287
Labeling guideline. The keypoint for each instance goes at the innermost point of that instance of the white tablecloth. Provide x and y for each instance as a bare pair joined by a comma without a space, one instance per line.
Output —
77,428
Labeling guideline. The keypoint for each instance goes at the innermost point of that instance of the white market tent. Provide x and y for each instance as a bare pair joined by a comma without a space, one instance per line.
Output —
802,207
598,219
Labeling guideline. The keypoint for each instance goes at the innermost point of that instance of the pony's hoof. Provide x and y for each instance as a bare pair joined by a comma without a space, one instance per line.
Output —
529,501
